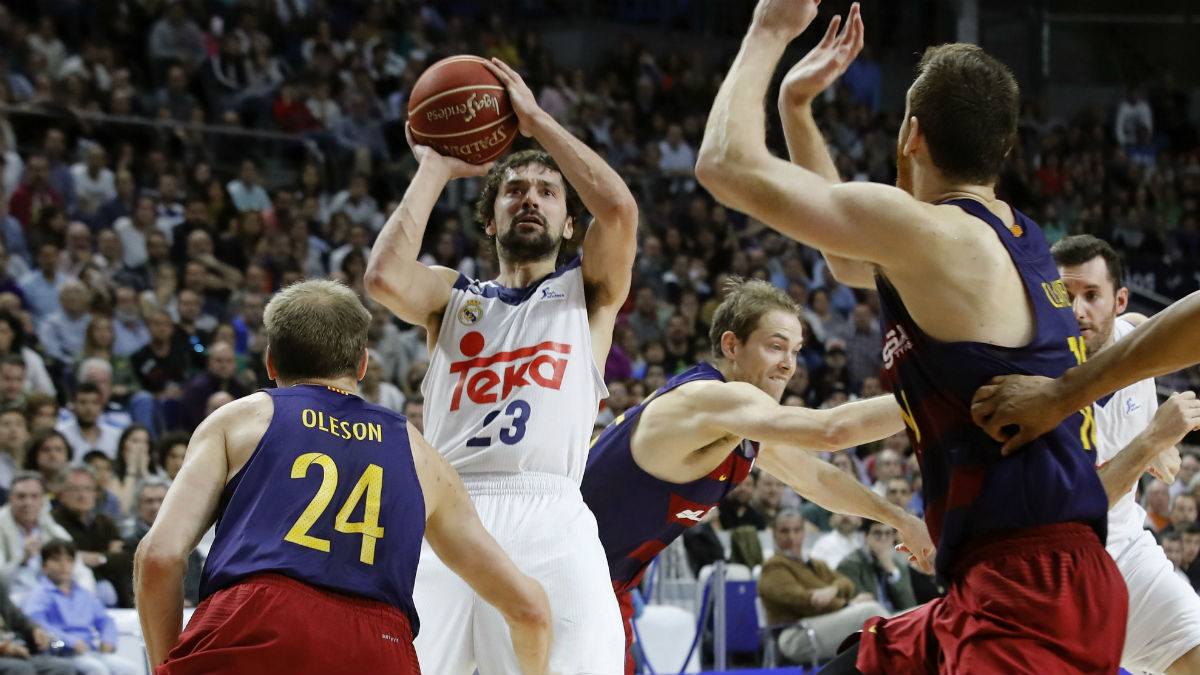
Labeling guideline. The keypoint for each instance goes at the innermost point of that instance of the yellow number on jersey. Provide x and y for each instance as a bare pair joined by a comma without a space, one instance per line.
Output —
906,413
1087,430
299,532
371,482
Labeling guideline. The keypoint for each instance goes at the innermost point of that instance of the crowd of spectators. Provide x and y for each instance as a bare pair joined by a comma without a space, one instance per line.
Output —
136,260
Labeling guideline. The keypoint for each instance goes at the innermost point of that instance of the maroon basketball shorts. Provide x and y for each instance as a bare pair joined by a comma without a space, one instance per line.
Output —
268,623
1047,599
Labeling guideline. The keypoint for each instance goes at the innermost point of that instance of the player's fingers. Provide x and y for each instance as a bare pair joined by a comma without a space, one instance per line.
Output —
1015,443
1186,395
831,31
986,391
981,412
498,71
512,74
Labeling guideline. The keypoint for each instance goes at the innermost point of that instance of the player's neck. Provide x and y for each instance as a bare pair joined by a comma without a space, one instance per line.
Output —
938,191
522,274
343,383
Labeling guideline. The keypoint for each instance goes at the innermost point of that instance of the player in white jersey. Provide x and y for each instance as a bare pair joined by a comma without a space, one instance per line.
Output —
1163,630
515,380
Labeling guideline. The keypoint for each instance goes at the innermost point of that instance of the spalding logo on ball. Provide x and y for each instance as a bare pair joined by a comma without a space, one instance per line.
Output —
460,109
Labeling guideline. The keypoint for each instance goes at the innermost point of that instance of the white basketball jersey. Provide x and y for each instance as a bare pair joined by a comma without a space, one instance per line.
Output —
512,384
1119,418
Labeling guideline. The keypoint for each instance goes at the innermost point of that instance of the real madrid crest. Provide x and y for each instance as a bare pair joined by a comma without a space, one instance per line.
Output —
471,313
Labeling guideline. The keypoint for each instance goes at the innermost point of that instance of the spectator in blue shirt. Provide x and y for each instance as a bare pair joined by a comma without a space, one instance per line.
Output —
72,614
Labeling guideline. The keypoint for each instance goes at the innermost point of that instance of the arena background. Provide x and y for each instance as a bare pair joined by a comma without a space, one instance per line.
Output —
178,95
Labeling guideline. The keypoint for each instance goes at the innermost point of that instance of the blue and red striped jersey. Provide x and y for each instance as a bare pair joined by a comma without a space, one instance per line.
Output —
637,514
330,497
971,490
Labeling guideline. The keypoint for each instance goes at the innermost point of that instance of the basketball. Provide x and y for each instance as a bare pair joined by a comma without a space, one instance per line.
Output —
460,109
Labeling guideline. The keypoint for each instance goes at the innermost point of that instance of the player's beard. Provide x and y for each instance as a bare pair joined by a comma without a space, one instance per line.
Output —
523,248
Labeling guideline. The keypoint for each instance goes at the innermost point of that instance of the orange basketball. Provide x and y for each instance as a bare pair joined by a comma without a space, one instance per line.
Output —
460,109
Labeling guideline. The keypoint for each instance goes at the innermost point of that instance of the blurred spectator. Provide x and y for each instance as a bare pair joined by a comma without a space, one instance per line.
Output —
376,390
1172,545
176,39
12,342
768,496
106,500
794,588
12,380
247,191
218,377
414,410
169,454
1157,503
72,613
95,535
94,182
1133,114
34,193
834,545
358,206
62,332
28,652
878,570
1189,465
735,510
83,429
167,358
889,464
148,499
14,434
25,525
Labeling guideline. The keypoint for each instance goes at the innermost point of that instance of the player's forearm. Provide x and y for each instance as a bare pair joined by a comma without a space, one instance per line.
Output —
393,273
828,486
734,136
400,239
1119,474
158,586
865,421
806,146
531,629
1165,343
600,188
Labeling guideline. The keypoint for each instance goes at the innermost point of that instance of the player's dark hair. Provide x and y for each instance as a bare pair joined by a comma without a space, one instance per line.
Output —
485,205
1081,248
316,329
746,302
967,104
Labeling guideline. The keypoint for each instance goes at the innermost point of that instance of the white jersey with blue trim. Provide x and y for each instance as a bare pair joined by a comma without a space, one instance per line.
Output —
512,385
1119,418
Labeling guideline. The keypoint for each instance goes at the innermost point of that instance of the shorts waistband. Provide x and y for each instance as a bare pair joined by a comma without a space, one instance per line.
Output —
355,603
529,483
1055,536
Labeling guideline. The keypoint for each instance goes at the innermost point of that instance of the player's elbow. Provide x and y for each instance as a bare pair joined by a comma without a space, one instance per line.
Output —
837,435
724,171
153,559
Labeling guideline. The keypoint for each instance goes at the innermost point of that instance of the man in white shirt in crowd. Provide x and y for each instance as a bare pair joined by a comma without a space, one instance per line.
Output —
841,541
94,182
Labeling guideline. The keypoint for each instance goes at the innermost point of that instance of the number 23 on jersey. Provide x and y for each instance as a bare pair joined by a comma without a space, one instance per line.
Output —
369,484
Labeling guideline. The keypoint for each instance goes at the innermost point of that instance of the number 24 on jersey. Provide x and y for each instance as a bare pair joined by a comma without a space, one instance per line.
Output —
369,484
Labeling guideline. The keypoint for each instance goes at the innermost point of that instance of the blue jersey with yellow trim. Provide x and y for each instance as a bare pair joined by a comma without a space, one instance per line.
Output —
330,497
637,514
970,490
